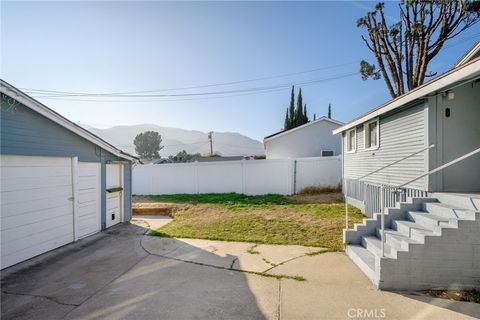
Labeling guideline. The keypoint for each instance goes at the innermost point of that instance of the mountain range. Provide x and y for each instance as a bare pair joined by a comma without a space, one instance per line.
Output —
175,140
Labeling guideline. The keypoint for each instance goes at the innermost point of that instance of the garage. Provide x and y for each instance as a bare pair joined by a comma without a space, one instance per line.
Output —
59,182
36,210
88,220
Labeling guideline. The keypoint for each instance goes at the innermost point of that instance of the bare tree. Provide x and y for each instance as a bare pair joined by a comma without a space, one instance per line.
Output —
404,49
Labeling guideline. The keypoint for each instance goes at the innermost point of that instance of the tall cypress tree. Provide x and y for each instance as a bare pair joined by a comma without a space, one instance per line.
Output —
305,117
299,112
286,124
329,115
292,109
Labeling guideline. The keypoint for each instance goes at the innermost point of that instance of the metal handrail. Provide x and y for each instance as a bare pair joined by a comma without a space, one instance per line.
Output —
446,165
397,161
382,188
382,196
380,169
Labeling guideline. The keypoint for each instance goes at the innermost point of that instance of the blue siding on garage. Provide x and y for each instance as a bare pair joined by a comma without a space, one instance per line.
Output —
25,132
127,176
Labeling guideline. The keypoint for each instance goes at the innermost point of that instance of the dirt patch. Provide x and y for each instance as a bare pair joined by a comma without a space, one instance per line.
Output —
457,295
330,197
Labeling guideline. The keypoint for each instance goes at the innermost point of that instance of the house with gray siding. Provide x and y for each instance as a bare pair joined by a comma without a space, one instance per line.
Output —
312,139
59,182
416,158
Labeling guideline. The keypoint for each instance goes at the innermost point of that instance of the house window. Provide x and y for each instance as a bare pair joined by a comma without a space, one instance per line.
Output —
351,140
371,134
328,153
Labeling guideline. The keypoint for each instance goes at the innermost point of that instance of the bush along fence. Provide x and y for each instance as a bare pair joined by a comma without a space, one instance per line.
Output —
252,177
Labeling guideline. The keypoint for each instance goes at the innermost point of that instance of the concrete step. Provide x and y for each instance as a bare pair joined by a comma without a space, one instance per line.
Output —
412,230
363,258
428,220
396,240
374,245
448,211
465,201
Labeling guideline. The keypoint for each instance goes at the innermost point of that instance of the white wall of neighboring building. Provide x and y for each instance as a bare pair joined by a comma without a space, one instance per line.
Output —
307,140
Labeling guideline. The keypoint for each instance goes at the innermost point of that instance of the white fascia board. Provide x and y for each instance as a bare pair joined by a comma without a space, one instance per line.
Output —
455,75
57,118
474,50
303,126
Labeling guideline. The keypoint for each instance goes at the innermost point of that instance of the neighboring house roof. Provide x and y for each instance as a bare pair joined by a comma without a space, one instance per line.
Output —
472,53
462,73
285,132
40,108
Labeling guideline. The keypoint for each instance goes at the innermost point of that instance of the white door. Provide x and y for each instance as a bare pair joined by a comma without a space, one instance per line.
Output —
114,198
36,206
87,219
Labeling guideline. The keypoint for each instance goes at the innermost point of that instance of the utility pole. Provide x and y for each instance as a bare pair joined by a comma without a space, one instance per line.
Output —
211,142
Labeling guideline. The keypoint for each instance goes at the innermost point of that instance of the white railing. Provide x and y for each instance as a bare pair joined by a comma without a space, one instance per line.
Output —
402,187
364,187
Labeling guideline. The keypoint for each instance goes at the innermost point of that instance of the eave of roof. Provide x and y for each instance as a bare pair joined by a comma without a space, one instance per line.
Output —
469,54
467,71
37,106
284,132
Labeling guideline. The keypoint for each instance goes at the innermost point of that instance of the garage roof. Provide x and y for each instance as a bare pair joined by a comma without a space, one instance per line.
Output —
37,106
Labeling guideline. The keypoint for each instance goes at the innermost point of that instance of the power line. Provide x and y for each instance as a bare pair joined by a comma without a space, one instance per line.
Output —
65,95
200,95
252,89
194,87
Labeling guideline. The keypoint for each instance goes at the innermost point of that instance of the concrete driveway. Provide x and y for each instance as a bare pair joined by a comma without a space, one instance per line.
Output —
125,274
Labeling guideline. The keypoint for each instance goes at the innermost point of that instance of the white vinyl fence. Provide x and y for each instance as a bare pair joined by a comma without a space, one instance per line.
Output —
282,176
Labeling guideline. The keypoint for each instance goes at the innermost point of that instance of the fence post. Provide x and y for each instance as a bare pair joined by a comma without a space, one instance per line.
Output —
244,178
346,202
195,176
382,212
295,176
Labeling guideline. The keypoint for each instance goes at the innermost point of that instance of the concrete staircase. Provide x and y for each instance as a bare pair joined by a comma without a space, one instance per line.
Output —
429,242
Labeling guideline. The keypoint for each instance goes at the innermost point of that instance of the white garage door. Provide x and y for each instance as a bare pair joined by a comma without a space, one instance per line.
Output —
36,206
87,219
114,199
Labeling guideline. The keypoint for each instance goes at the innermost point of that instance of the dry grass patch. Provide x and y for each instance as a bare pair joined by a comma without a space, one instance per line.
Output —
270,219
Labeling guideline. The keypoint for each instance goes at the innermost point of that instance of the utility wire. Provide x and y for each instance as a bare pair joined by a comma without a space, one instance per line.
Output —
195,87
228,93
252,89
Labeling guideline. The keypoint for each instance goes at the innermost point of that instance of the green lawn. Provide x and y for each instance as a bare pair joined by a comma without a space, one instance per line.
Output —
271,219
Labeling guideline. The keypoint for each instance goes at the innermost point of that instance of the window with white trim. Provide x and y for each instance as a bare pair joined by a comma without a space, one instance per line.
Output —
351,143
371,134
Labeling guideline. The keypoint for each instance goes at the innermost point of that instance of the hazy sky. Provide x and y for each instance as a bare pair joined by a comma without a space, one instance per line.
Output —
136,46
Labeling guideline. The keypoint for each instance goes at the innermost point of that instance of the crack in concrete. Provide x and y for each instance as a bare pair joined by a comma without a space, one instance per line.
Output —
263,274
40,296
233,262
107,284
284,262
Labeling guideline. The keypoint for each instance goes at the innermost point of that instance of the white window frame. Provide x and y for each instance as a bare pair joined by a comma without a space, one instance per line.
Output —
347,137
365,133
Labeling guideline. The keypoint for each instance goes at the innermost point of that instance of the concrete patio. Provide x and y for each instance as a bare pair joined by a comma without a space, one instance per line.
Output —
125,274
